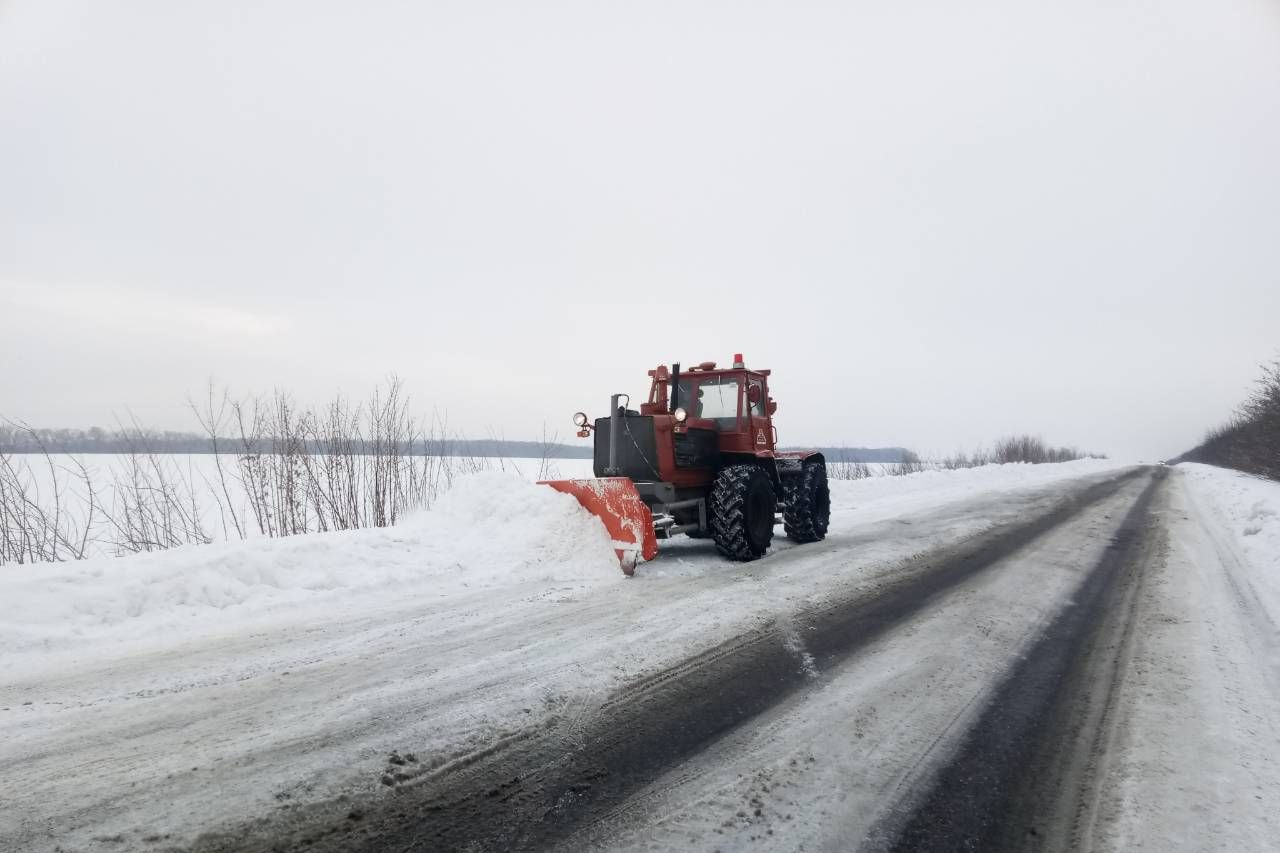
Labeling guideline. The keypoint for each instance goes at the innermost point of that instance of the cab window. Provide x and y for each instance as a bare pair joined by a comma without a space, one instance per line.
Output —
712,398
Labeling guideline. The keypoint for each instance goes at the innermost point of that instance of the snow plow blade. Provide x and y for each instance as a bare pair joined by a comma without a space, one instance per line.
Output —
615,501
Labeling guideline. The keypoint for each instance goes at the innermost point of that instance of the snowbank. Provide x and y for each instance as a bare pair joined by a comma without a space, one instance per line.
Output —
491,529
1249,507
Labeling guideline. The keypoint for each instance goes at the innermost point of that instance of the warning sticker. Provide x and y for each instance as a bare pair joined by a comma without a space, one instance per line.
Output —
760,438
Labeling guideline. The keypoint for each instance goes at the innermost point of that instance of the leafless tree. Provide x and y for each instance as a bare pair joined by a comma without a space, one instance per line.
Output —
547,469
213,420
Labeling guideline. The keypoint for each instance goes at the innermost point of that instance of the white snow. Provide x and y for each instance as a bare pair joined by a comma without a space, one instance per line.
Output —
491,529
296,664
886,496
1195,762
195,477
276,672
1247,508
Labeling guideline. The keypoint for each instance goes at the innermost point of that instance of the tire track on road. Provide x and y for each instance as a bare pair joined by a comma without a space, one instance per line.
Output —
1024,776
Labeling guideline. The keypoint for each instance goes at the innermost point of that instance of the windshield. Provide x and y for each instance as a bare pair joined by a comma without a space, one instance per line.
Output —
712,397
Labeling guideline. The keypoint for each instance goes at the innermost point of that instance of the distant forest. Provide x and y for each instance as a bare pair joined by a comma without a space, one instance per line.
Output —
97,440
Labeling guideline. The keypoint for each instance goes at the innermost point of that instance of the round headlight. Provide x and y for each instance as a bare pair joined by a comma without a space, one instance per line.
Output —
680,415
580,419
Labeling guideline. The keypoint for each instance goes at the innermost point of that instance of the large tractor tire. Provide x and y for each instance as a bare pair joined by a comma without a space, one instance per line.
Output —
808,504
742,508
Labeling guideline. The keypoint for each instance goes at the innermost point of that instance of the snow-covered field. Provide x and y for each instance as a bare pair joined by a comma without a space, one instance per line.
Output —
277,673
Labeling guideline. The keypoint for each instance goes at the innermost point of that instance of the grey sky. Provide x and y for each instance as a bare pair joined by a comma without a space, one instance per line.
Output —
935,222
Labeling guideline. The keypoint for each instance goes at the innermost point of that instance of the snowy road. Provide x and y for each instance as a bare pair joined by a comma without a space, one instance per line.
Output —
1071,662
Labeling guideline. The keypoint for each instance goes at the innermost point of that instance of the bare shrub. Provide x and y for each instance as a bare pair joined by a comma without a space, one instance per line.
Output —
45,525
1019,448
547,469
856,470
279,469
1032,449
845,467
154,504
213,420
910,463
337,469
345,466
1250,441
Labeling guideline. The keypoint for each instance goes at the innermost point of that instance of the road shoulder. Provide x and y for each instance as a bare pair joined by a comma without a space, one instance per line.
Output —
1194,764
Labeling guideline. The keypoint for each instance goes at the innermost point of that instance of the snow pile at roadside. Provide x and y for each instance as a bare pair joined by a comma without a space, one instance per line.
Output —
885,496
491,529
1249,507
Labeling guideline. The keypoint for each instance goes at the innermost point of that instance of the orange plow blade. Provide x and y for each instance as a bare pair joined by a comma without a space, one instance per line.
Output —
615,501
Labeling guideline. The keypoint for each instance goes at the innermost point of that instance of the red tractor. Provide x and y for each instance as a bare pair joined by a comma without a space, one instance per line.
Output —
699,458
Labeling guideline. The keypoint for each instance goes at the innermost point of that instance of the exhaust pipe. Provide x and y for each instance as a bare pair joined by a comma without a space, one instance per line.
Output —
615,426
675,386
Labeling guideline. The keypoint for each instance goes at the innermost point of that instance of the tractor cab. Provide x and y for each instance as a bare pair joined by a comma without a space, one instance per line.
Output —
734,402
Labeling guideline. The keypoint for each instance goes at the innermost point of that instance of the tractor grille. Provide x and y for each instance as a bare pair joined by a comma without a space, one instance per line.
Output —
637,451
697,448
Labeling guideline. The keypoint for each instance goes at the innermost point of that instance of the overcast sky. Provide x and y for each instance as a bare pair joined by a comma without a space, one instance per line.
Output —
936,222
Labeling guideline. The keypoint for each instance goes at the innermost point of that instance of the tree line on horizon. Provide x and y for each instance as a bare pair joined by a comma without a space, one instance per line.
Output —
16,438
21,439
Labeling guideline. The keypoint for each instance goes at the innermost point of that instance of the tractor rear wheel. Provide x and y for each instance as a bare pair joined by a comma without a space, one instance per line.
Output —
808,508
742,508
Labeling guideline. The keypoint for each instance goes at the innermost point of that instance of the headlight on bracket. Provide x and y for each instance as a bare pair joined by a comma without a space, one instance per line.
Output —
680,415
580,419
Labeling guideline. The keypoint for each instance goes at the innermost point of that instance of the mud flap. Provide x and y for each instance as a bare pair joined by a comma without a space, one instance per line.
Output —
615,501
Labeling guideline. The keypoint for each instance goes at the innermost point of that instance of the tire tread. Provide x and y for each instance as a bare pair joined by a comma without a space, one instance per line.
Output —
807,512
728,508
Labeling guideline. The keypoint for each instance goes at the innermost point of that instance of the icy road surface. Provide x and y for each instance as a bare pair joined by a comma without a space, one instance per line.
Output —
1010,658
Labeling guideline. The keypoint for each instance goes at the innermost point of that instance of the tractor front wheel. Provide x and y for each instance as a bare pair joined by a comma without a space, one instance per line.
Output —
808,509
742,508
